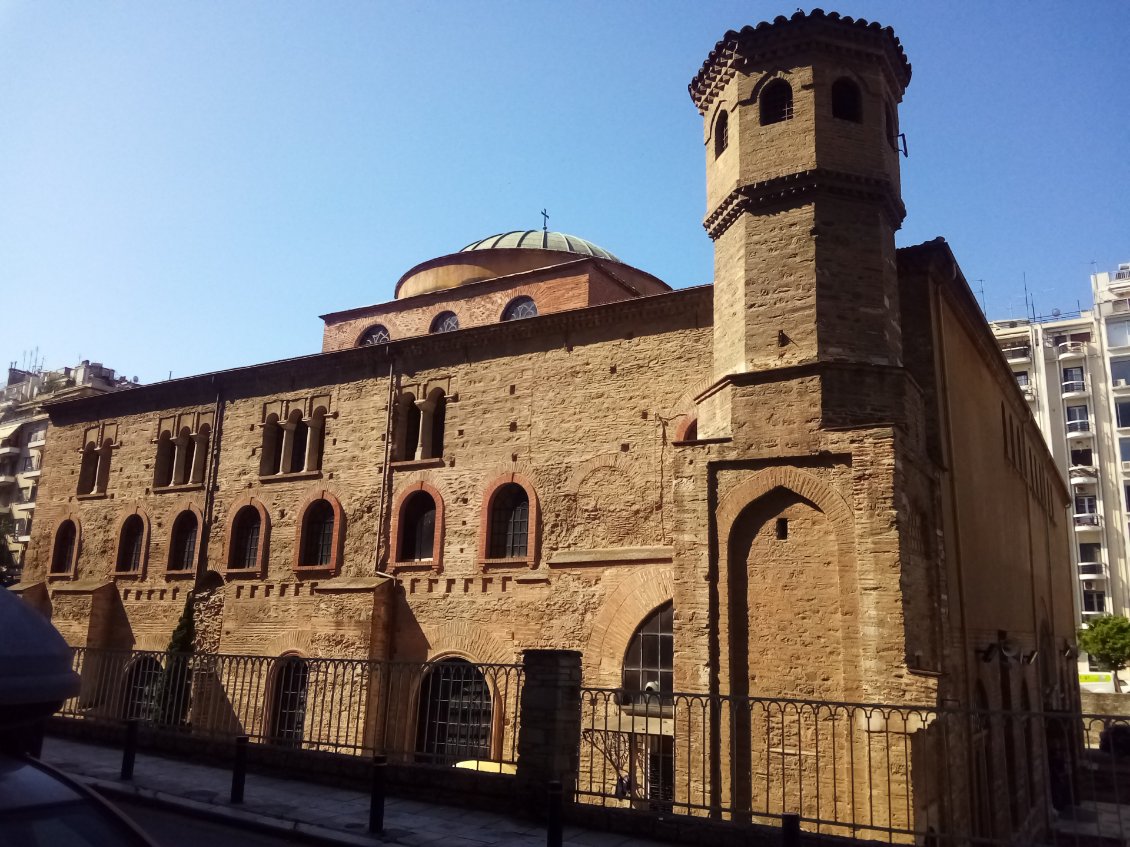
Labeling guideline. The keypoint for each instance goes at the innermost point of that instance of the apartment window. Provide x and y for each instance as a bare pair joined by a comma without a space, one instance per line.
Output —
1120,371
1090,552
1118,333
1022,379
1126,493
1073,379
36,433
847,104
1082,457
721,133
1094,601
776,102
1124,449
1078,419
1086,504
1122,412
182,547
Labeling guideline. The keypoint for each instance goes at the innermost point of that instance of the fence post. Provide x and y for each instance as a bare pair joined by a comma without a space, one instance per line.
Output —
549,726
790,830
239,771
553,824
129,749
377,794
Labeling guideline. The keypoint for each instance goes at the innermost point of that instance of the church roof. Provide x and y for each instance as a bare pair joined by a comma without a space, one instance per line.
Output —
536,239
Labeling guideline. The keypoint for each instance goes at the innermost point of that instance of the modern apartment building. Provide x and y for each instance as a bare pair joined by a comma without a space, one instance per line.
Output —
1074,370
23,433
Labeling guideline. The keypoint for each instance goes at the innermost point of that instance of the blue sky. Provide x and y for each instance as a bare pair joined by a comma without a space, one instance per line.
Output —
186,186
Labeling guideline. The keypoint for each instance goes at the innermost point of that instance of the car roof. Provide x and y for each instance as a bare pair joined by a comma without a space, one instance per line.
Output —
24,784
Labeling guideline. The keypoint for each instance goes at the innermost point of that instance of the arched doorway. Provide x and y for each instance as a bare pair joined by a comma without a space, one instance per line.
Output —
142,684
288,701
455,714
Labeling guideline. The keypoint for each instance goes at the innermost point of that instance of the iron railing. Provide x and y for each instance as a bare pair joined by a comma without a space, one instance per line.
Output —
899,774
438,713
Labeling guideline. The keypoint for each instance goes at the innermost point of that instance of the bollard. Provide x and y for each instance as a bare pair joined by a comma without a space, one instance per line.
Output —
790,830
239,771
129,750
377,794
553,826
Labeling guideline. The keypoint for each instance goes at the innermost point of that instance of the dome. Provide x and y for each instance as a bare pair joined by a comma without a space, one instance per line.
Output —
536,239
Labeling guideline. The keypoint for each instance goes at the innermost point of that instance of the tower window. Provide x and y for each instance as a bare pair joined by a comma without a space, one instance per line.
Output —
891,127
318,535
445,322
776,102
520,307
721,133
509,523
847,103
245,539
288,701
62,557
374,335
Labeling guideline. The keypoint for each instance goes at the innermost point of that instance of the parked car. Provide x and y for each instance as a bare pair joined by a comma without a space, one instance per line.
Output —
42,807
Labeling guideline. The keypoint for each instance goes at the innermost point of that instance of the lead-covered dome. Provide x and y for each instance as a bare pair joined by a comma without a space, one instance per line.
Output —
537,239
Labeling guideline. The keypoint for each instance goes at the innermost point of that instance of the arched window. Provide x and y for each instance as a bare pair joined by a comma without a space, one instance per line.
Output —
199,455
102,477
776,102
182,546
445,322
417,528
185,455
318,535
721,133
246,528
288,701
455,714
847,103
316,439
374,335
63,552
649,662
433,425
299,437
131,545
88,470
142,685
520,307
163,465
509,523
409,427
270,460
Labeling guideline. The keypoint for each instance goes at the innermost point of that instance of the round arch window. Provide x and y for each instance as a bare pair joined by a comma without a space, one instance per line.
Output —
520,307
445,322
375,335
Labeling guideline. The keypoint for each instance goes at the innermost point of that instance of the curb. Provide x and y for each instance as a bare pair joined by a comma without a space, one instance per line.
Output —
306,832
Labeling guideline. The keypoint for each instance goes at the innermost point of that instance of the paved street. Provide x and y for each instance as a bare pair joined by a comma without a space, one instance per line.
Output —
169,827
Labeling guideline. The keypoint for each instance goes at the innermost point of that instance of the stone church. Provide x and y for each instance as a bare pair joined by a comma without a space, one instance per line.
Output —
815,478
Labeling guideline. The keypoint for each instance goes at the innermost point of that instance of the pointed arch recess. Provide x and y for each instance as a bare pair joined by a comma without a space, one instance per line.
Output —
636,596
842,519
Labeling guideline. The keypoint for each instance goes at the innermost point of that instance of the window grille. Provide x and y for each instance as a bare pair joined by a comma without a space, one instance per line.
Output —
142,685
129,545
288,705
245,542
455,714
418,528
375,335
183,549
776,102
721,133
518,308
650,659
445,322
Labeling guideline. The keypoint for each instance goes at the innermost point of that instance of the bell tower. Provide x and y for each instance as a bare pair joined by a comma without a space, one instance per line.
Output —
800,126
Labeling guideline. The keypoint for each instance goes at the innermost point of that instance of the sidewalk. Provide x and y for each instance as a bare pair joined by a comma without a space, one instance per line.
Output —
291,806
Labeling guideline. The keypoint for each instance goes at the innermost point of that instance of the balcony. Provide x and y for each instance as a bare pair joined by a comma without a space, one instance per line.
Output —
1078,429
31,466
1083,475
1074,388
1072,350
1093,570
37,439
1021,354
9,451
7,477
1088,521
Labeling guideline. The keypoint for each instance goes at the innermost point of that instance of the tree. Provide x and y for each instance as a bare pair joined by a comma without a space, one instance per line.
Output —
1107,639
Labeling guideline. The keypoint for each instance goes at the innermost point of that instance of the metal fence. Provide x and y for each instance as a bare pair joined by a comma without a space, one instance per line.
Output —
875,772
438,713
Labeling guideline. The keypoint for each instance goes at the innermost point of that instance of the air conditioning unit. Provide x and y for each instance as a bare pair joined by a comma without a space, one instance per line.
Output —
1120,383
1126,467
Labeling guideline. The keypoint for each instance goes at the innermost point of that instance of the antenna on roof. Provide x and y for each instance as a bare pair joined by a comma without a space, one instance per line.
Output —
984,311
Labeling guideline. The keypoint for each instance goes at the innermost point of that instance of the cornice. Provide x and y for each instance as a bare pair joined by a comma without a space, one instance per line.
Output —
795,188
